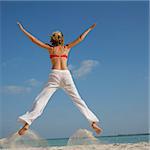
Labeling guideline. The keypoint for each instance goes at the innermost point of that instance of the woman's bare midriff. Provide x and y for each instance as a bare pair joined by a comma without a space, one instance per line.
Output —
59,63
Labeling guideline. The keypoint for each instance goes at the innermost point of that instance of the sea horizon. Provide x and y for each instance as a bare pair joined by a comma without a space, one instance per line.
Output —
111,139
132,134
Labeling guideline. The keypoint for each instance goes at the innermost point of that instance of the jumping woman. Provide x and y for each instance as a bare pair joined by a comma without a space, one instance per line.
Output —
59,77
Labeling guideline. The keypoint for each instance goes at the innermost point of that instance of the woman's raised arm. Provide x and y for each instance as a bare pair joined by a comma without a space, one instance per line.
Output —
33,39
81,37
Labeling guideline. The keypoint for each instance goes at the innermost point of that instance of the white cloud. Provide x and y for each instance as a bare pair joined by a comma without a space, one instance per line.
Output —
21,89
15,89
33,82
85,68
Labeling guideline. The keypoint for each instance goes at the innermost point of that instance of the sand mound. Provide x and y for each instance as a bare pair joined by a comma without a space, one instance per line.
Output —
82,137
30,139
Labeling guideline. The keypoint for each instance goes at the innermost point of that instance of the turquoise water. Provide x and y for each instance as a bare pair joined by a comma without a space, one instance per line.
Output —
125,139
106,139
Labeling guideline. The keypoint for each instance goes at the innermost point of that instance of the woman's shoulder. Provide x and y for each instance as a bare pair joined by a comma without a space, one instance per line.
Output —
50,47
66,47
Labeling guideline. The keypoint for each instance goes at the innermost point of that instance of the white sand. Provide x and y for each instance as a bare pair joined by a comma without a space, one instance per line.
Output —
135,146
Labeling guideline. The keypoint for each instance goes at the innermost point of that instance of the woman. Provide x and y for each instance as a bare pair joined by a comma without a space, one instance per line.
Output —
60,77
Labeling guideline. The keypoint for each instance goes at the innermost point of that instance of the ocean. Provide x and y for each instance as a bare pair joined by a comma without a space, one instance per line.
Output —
106,139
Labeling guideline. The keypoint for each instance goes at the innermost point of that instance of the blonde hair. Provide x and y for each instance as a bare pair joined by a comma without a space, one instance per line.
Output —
57,38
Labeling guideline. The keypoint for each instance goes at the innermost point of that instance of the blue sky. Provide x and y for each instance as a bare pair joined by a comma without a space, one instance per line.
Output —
110,67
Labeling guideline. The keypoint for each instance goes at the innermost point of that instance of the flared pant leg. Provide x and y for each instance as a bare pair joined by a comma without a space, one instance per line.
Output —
71,90
41,100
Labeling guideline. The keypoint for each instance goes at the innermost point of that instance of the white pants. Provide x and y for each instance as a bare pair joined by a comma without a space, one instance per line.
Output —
57,79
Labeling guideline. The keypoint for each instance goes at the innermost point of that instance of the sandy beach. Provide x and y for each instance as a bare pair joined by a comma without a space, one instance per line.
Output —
129,146
82,139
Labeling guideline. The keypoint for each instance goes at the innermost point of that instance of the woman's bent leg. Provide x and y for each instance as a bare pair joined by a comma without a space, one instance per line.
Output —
71,90
38,105
41,100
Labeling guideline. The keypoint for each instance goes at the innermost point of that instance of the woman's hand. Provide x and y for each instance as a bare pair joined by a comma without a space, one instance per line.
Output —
20,26
81,37
33,39
93,26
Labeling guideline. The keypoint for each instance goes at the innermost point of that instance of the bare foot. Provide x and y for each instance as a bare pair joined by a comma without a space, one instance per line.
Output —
23,129
97,129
